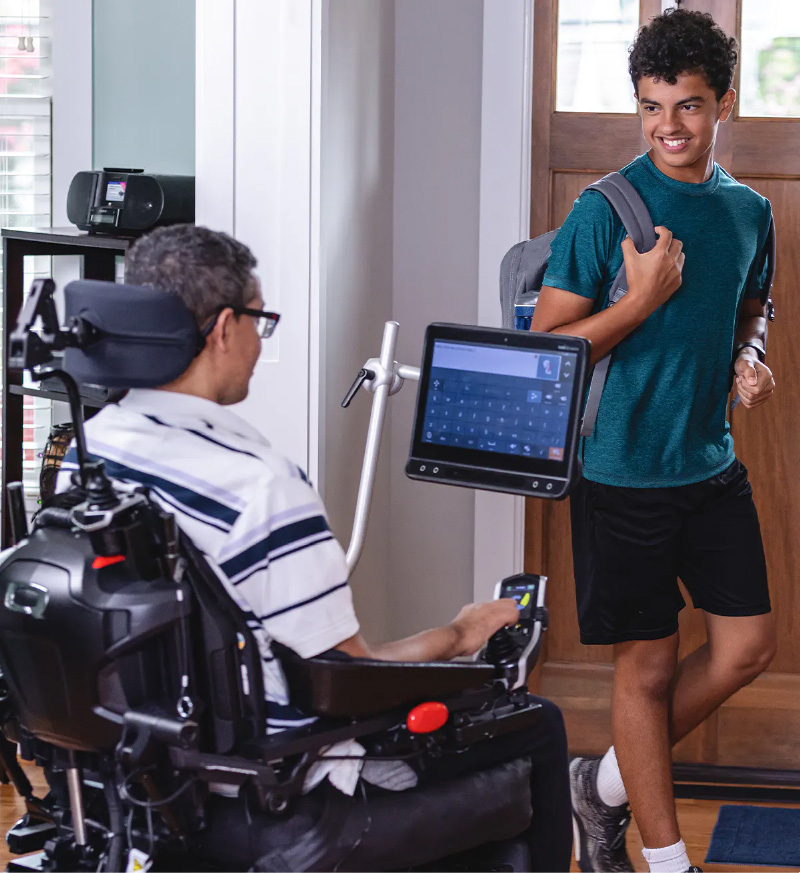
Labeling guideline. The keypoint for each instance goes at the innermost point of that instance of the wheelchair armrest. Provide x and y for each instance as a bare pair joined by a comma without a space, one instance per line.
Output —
357,687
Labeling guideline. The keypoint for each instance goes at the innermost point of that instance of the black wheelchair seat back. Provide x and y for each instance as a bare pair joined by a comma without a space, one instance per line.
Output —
82,641
86,638
227,660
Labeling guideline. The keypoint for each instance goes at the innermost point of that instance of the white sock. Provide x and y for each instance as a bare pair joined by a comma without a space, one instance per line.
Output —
670,859
609,781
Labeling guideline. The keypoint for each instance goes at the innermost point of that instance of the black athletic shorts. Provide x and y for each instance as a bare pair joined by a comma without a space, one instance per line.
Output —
630,545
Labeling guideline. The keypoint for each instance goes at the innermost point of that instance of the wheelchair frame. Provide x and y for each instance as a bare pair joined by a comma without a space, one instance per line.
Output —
481,700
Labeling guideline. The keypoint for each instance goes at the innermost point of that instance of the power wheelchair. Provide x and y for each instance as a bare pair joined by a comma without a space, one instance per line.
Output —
130,676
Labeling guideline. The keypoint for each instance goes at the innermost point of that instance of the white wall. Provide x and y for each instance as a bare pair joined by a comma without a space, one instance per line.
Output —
254,151
355,295
438,66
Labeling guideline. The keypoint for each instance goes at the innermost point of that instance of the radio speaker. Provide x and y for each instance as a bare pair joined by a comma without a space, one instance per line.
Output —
80,197
144,203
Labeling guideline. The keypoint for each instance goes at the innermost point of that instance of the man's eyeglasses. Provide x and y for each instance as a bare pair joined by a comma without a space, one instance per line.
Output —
266,321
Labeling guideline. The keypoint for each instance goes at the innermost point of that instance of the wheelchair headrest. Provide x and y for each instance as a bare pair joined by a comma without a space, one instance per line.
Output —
145,337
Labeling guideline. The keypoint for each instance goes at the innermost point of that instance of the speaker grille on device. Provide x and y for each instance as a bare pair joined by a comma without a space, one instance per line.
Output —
143,204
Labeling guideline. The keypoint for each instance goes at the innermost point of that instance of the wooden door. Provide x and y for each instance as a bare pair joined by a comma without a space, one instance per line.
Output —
759,727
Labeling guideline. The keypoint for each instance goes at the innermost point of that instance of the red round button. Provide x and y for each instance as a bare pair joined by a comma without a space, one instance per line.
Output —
427,717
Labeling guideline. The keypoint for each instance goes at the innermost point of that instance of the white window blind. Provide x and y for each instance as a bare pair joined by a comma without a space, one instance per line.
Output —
25,168
25,111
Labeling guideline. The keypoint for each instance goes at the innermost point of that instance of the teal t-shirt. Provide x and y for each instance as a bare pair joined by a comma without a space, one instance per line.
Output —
662,420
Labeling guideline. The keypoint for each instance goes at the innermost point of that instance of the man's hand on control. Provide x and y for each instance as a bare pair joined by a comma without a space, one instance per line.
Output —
754,380
478,621
653,277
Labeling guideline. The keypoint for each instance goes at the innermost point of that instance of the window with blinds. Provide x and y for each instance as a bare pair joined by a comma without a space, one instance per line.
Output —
25,169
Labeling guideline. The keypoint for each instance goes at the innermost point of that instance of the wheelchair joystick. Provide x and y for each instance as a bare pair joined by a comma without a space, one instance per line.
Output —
501,648
100,492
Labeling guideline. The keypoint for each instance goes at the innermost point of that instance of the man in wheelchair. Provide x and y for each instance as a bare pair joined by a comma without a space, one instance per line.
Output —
249,626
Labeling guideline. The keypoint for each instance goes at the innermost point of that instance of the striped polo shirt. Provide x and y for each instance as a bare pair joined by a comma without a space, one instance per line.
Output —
250,510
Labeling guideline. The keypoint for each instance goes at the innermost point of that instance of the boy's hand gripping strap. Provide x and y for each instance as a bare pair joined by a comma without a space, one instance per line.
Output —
629,206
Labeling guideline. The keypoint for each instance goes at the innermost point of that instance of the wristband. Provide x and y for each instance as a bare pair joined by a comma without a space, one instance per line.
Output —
757,347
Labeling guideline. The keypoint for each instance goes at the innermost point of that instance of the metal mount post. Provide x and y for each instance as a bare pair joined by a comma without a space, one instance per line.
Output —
383,377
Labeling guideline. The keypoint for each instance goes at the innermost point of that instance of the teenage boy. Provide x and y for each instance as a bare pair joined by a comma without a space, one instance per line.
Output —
663,495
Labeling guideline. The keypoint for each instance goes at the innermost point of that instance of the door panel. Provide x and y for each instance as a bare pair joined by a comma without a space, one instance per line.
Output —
758,727
766,438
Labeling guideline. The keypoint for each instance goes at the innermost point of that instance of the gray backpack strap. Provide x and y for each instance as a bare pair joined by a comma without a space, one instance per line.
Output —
629,206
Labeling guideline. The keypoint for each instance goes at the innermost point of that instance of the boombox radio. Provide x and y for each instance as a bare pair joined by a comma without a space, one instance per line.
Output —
122,201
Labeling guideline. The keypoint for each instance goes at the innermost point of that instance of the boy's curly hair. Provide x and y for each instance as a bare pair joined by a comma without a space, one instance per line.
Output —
682,41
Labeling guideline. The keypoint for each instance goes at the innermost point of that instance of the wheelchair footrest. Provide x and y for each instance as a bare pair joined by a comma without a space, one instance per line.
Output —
29,863
24,838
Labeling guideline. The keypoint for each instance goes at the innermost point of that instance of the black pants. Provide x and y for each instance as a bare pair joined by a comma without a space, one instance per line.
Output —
328,830
550,833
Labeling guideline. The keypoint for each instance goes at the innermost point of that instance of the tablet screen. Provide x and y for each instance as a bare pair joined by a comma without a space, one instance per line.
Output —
502,400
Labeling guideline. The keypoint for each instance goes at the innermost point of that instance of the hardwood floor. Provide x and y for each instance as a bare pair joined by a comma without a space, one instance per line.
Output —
697,819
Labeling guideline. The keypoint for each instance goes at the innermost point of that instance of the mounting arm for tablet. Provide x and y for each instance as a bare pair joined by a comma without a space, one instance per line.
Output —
383,377
523,392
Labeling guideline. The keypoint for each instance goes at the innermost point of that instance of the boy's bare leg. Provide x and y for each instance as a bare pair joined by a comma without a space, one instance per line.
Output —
643,676
739,649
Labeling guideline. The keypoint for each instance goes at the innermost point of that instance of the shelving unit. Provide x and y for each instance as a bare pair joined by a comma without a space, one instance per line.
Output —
98,254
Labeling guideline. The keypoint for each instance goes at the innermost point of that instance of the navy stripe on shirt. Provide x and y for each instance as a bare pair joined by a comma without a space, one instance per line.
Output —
270,559
277,539
202,436
207,508
303,602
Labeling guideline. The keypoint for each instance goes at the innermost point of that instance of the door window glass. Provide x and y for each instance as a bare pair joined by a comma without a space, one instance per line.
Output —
770,59
593,41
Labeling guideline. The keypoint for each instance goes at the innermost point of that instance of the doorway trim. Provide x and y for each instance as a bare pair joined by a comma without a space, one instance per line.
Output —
505,169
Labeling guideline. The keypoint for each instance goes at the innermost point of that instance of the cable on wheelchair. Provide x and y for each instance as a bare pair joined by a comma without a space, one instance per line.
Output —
124,782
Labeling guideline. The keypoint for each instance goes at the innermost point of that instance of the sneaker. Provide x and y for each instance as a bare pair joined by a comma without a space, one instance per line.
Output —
695,870
599,830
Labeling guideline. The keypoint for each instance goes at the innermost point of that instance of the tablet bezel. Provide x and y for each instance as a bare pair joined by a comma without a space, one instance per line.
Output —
463,459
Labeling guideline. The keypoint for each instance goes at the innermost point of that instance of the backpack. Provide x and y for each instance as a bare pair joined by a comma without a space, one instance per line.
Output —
522,271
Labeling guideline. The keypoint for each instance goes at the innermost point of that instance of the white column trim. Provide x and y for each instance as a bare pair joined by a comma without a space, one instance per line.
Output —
499,540
215,119
72,99
317,269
